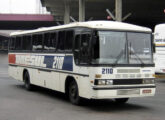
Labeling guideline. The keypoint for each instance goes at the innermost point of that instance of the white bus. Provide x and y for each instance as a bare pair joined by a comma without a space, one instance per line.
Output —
159,57
92,60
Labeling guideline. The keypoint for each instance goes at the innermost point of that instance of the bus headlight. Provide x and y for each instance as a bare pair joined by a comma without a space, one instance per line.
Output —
103,82
148,81
109,82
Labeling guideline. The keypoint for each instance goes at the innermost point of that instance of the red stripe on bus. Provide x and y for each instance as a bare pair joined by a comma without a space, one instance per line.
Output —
12,58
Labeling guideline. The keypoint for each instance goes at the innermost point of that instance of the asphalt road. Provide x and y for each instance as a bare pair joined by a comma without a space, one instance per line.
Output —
42,104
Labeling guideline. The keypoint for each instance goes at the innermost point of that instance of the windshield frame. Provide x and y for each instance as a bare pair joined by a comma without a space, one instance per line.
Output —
128,64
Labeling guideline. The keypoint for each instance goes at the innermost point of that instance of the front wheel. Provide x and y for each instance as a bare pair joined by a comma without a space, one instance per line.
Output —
121,100
74,93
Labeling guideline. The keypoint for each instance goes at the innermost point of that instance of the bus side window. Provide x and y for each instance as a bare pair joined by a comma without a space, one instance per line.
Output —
61,40
69,41
37,42
76,48
18,43
50,42
12,43
46,41
27,40
53,41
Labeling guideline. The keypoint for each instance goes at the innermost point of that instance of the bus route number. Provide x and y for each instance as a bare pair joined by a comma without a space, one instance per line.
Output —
107,71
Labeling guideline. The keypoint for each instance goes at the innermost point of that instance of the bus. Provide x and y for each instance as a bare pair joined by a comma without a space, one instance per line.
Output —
91,60
159,56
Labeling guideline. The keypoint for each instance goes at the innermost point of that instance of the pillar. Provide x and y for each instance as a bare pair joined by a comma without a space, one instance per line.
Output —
67,12
81,10
118,10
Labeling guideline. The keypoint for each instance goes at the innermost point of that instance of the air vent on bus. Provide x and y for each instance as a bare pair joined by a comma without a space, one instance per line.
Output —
128,71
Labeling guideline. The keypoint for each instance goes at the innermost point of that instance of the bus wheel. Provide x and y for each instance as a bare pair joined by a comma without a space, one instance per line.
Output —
121,100
73,93
27,84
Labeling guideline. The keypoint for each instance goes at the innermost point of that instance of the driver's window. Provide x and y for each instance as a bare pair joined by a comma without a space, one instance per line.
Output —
84,48
76,48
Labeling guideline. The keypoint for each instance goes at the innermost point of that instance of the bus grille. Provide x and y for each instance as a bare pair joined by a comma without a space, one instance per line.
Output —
127,81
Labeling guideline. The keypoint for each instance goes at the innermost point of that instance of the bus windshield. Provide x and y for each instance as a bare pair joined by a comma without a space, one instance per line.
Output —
112,47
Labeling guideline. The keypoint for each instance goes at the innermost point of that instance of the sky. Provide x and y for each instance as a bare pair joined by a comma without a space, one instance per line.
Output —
21,7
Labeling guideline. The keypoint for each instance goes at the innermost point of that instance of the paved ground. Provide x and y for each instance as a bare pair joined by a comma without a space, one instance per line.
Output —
18,104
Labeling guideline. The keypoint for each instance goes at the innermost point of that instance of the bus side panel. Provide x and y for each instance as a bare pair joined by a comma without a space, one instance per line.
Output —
13,71
85,89
159,63
62,77
54,81
35,79
19,73
46,79
49,79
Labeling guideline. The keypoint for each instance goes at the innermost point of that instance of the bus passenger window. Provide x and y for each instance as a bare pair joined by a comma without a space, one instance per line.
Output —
53,41
46,41
12,43
37,42
49,42
26,43
61,39
18,44
69,41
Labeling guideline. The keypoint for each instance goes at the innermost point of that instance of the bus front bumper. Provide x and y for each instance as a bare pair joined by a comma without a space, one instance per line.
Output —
123,91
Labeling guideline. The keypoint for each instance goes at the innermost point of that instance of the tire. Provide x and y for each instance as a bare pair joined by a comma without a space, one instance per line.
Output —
27,83
121,100
74,93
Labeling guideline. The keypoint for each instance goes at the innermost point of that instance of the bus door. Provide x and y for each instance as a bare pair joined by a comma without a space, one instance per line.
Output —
82,51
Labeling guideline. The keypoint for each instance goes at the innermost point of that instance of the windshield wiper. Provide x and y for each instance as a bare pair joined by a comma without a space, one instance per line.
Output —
119,56
132,51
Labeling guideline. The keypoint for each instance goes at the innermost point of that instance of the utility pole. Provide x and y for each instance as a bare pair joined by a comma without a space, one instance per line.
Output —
81,10
67,12
118,10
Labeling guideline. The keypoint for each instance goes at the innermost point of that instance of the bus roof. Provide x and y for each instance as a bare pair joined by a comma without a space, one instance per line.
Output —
160,27
159,31
107,25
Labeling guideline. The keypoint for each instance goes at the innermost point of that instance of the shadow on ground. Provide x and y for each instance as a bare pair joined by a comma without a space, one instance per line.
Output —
94,105
160,80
